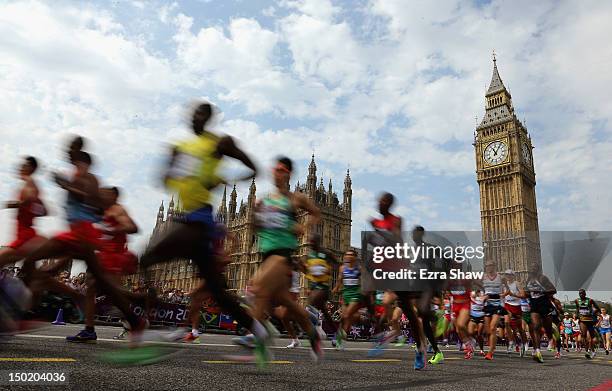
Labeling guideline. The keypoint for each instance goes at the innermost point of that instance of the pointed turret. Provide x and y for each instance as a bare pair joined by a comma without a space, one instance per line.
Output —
160,215
222,212
330,194
252,191
311,179
348,192
170,209
232,204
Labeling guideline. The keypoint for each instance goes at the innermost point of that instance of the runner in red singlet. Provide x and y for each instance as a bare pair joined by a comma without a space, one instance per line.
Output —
29,206
113,256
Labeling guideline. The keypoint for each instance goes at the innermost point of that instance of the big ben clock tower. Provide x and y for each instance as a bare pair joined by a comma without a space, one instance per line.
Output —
506,178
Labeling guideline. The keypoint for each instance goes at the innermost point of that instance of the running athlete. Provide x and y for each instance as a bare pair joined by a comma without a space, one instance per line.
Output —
513,319
390,226
349,285
113,256
604,327
460,291
568,331
526,318
83,210
540,290
576,333
29,206
420,299
587,310
493,288
192,172
278,230
477,315
318,267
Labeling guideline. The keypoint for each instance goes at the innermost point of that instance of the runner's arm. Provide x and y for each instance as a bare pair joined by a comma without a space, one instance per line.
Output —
228,147
314,214
126,224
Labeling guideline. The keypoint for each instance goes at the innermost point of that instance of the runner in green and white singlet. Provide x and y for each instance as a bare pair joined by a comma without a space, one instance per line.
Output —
278,228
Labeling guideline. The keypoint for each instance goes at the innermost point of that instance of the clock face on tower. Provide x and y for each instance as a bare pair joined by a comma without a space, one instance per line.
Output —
495,153
526,154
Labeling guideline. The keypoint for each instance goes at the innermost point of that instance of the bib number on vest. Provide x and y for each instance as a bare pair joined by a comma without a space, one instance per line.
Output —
184,165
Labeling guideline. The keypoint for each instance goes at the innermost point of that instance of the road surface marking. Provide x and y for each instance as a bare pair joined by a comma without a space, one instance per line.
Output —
378,360
36,359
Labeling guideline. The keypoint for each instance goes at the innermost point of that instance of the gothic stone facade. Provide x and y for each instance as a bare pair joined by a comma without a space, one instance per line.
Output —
334,228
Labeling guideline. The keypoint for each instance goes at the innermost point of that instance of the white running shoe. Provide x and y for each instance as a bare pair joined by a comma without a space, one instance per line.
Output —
294,344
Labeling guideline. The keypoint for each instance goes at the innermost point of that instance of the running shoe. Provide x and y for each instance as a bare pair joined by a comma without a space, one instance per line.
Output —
557,355
489,356
538,357
429,349
482,353
607,352
522,350
469,352
190,338
401,341
593,354
83,336
247,341
438,358
340,336
122,334
587,355
419,360
294,344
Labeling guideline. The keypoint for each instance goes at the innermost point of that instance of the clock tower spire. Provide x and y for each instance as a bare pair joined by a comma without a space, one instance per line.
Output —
506,179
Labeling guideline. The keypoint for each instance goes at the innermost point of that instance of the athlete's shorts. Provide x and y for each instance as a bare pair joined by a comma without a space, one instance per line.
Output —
118,263
568,332
318,286
283,252
542,306
491,310
605,331
513,310
81,232
24,235
527,317
458,307
477,319
352,295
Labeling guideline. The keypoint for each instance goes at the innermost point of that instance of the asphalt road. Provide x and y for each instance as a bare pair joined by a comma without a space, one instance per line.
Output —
206,366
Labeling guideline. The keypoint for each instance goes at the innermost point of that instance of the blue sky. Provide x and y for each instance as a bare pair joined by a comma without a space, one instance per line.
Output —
390,89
